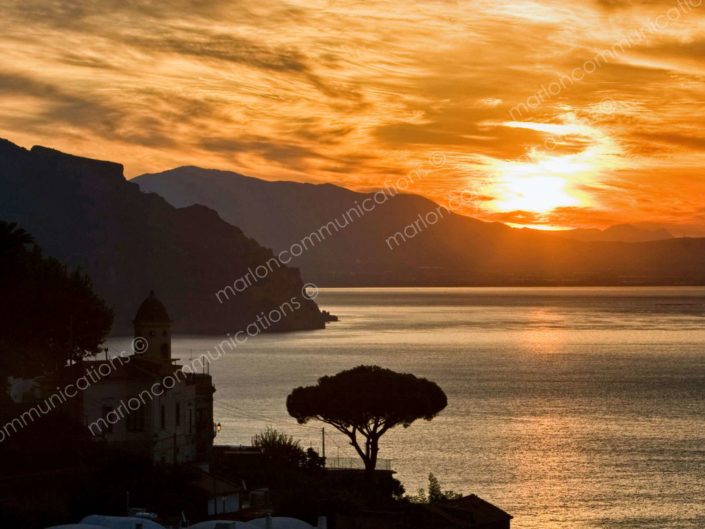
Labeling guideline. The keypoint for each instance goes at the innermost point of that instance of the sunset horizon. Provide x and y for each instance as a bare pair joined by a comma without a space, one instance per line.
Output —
344,264
566,117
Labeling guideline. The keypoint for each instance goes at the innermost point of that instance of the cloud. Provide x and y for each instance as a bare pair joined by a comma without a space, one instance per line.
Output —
58,108
227,48
357,93
278,152
683,141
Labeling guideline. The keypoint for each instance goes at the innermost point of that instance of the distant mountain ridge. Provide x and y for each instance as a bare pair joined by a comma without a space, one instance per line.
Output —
85,213
456,250
618,233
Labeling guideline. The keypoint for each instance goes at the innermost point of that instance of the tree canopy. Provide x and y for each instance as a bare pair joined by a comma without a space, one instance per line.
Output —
50,313
285,451
367,401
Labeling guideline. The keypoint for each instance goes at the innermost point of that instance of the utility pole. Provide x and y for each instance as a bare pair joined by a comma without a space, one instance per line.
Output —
323,445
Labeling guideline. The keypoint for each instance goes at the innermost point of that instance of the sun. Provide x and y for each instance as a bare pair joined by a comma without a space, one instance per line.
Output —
546,177
566,171
542,183
536,194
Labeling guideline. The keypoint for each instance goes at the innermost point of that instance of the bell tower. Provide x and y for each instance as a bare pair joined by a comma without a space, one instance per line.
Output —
152,322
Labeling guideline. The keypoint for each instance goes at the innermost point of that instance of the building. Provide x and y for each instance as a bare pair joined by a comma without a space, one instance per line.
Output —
472,512
147,403
222,497
469,512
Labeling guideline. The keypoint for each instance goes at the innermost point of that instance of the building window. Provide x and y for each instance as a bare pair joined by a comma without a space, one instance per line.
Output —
135,420
165,350
106,410
162,417
190,421
178,415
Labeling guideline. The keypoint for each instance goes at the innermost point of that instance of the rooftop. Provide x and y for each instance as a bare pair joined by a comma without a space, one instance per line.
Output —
152,311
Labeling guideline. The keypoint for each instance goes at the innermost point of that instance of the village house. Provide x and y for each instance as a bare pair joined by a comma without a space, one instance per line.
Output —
150,405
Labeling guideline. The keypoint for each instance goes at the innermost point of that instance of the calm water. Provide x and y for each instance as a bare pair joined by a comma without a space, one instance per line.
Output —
570,408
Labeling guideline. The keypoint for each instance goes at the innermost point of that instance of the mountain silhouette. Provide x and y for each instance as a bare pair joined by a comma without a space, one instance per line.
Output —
618,233
84,213
455,250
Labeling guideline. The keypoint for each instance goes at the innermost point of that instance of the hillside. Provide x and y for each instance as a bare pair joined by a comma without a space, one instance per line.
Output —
454,250
86,214
619,233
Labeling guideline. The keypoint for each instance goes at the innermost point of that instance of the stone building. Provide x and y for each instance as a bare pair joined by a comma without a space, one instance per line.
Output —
148,404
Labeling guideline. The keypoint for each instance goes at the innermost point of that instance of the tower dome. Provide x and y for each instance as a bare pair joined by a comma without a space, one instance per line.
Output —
152,323
152,311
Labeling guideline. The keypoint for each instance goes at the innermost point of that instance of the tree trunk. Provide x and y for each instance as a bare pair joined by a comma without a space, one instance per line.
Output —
374,450
371,458
368,455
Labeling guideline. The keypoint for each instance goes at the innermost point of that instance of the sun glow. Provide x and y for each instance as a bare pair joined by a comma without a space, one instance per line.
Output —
537,194
541,184
525,192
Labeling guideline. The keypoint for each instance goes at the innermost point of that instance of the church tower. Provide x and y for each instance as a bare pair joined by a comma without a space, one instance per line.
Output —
152,323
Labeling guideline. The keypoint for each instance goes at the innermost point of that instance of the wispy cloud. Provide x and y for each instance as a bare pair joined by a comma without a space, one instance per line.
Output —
355,92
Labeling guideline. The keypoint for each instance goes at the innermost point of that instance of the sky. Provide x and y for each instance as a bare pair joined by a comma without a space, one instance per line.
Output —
542,114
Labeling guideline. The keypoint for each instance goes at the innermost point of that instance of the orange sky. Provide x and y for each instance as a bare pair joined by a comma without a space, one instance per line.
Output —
547,114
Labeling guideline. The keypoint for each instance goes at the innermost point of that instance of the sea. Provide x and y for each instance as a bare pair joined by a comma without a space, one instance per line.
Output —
570,408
